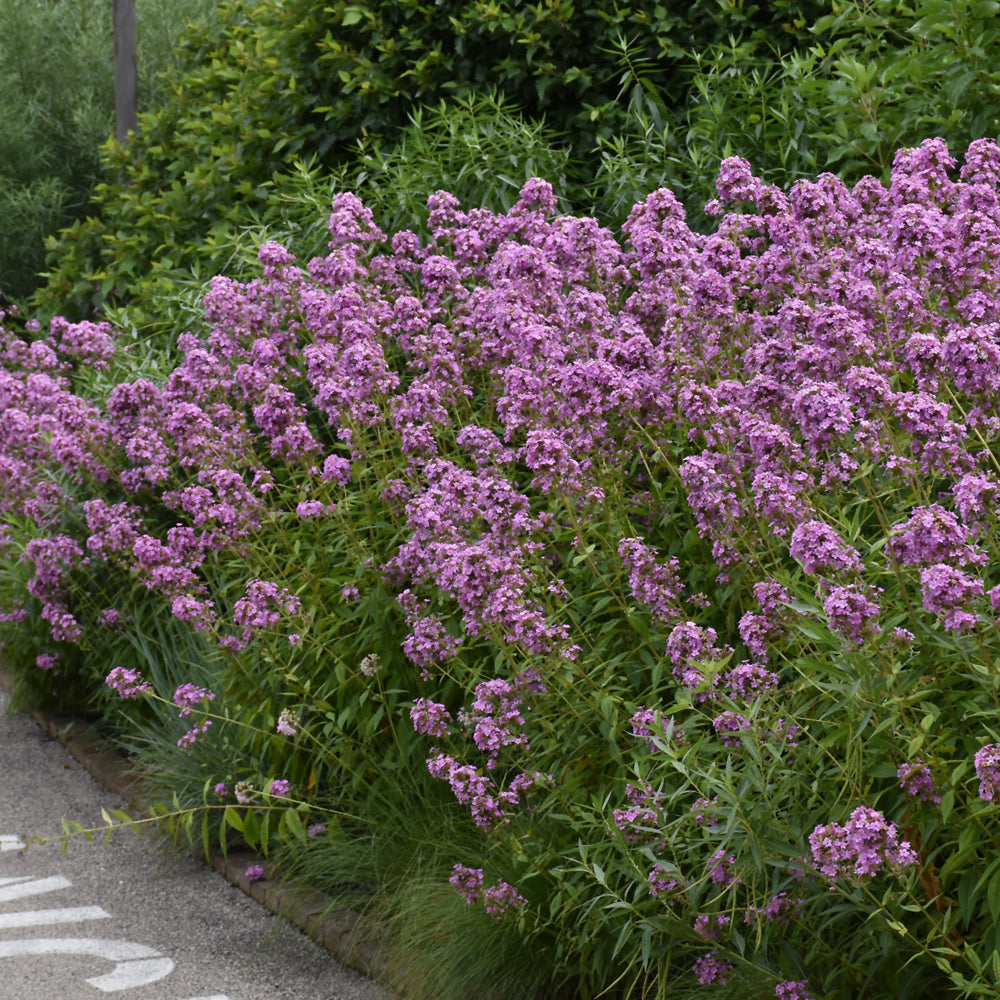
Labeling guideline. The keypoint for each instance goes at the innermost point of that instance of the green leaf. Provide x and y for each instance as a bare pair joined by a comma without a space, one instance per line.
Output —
993,896
233,818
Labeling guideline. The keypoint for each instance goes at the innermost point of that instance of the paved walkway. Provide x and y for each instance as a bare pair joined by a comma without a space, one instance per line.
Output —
126,919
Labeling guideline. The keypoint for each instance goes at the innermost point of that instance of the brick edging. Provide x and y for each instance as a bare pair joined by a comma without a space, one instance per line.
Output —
350,937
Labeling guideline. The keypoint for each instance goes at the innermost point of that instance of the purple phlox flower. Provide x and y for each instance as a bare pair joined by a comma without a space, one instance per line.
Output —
655,584
758,632
711,969
709,925
851,613
274,257
933,535
779,910
429,640
484,447
785,732
902,637
977,497
336,469
551,460
430,717
861,848
87,341
221,789
662,882
313,508
280,787
499,721
987,762
950,593
971,356
128,683
189,696
749,681
729,725
48,661
489,805
188,739
642,821
254,873
287,722
262,607
772,598
824,414
916,779
502,899
791,989
820,550
315,829
648,724
468,882
720,868
689,648
704,811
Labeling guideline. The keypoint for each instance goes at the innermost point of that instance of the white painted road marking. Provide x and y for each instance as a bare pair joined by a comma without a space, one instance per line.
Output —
66,915
136,964
30,885
10,842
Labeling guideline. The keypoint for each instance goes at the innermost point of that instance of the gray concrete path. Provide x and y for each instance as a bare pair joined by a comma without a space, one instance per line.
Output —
127,920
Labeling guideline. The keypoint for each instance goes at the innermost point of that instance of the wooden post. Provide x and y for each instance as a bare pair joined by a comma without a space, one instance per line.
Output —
126,69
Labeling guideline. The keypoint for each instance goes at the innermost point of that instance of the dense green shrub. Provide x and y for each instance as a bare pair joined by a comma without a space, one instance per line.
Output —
271,82
57,108
873,75
636,96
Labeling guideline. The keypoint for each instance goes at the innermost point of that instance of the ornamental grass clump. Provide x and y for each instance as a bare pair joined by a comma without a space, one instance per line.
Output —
631,602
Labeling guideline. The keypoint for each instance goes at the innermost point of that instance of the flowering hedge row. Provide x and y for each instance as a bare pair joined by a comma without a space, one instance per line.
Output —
664,568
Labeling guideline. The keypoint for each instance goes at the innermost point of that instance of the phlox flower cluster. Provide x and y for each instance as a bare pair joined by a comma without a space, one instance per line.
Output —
987,762
689,648
488,804
822,552
712,969
654,584
287,723
499,900
504,381
643,820
917,781
430,717
262,607
791,989
863,847
778,910
851,613
663,884
711,925
127,683
189,696
648,724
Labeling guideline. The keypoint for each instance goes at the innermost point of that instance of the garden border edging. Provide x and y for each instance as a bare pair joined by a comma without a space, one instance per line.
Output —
345,933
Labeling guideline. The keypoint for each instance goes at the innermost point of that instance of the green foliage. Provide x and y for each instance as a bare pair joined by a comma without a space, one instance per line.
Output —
56,109
266,83
873,77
